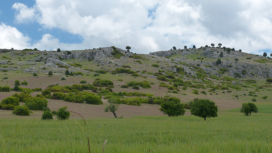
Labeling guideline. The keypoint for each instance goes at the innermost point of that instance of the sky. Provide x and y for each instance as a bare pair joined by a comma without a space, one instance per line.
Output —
146,26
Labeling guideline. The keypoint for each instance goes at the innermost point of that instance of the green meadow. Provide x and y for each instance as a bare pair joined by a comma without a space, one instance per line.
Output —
230,132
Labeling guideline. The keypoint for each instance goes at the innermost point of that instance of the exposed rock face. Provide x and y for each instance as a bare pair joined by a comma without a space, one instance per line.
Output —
52,61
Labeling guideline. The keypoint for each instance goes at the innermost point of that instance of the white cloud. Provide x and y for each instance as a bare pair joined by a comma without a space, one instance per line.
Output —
23,13
154,24
11,37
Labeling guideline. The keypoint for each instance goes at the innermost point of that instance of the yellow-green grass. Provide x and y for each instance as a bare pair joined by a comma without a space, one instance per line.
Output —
230,132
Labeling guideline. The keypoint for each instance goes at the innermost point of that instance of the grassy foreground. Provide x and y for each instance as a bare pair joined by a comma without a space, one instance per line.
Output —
230,132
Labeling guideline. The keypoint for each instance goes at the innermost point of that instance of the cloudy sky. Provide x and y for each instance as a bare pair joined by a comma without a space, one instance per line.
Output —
145,25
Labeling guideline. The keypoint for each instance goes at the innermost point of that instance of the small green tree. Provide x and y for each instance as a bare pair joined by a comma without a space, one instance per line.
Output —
236,60
228,50
185,47
62,114
112,108
264,54
174,48
35,74
128,48
218,62
172,108
194,46
219,45
47,115
67,72
204,108
17,83
221,54
58,50
224,48
247,108
50,73
16,88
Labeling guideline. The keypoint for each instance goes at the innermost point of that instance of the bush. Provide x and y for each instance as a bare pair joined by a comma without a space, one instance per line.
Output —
24,83
5,89
116,53
135,74
143,84
46,93
21,110
17,83
76,87
63,79
253,99
218,62
204,108
162,78
50,73
247,108
102,83
36,103
172,108
62,114
47,115
195,92
9,103
16,88
264,97
72,97
93,99
83,81
23,96
59,95
170,76
35,74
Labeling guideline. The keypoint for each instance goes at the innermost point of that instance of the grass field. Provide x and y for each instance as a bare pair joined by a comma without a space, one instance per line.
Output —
230,132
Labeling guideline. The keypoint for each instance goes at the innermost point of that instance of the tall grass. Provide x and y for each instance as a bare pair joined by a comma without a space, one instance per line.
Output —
230,132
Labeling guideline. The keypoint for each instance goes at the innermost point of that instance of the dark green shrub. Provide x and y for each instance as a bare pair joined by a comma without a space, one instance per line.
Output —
264,97
135,74
102,83
204,108
24,83
39,95
269,80
88,87
122,70
72,97
63,79
218,62
21,111
5,89
247,108
93,99
124,86
36,103
136,88
203,92
96,74
50,73
116,53
47,115
170,76
62,114
195,92
253,99
155,65
143,84
101,71
8,107
83,81
59,95
172,108
35,74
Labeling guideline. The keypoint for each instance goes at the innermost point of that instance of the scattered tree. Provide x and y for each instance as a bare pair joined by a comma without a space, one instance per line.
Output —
204,108
247,108
16,88
228,50
67,72
172,108
212,44
35,74
174,48
112,108
128,48
47,115
224,48
50,73
240,50
236,60
194,46
58,50
219,45
221,54
17,83
185,47
271,55
264,54
206,46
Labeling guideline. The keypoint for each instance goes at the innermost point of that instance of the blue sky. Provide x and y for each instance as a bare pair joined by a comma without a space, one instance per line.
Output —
146,26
